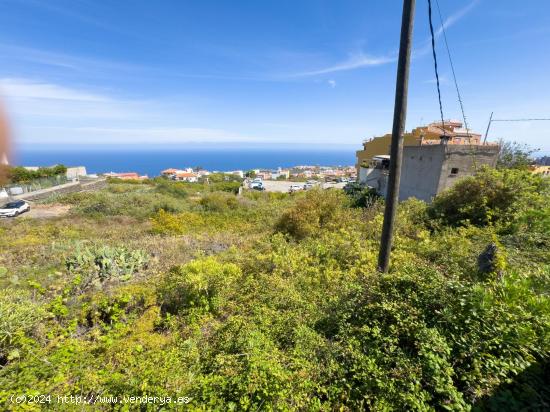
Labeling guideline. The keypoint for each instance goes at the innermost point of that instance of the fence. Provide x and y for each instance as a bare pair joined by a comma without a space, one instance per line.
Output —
15,189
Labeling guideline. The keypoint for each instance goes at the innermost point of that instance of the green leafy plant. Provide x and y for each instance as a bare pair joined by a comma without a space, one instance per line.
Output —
20,314
315,211
492,196
99,263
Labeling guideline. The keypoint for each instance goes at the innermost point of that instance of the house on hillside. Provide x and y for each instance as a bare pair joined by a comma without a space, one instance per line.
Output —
453,131
169,172
264,175
186,177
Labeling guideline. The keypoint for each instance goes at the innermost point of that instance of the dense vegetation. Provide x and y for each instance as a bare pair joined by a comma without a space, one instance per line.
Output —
271,301
22,175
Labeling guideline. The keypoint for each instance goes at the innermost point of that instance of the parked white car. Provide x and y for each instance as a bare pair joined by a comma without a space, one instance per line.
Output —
257,186
14,208
295,188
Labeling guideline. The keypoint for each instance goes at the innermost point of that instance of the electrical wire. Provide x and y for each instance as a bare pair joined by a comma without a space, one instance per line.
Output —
435,67
542,119
453,70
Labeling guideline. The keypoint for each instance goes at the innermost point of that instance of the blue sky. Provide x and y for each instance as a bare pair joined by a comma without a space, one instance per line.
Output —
308,73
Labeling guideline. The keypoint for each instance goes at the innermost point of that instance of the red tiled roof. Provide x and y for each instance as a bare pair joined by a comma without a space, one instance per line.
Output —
185,174
129,174
169,171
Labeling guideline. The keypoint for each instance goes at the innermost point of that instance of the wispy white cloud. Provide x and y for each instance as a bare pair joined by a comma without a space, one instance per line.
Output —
442,80
15,52
447,23
354,61
73,65
132,136
455,17
27,89
332,83
48,113
361,60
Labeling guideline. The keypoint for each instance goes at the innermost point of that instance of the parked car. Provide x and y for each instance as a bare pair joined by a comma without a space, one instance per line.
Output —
258,187
295,188
312,182
15,208
308,186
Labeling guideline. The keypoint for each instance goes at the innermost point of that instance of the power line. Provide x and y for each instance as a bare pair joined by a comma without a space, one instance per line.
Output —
541,119
453,70
435,66
491,121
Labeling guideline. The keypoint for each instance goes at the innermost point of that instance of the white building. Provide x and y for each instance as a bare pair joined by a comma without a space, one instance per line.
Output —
76,172
280,173
189,177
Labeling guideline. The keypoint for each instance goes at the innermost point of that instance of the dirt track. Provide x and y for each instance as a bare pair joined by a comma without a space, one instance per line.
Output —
45,211
284,185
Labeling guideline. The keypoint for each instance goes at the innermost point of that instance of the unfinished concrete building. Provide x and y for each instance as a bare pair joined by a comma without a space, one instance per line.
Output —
420,136
429,169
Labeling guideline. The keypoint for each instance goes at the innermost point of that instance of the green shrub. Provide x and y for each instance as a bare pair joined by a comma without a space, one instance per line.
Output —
360,195
132,182
174,189
278,324
19,315
198,284
225,186
131,200
218,202
315,211
20,174
492,196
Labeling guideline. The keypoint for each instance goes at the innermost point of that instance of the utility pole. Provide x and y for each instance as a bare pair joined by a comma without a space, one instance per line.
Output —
399,119
488,127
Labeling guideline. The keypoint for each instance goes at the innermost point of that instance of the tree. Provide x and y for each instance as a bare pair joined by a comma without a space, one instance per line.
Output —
514,155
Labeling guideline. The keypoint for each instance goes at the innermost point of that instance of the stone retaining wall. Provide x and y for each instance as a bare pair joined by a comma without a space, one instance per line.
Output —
63,189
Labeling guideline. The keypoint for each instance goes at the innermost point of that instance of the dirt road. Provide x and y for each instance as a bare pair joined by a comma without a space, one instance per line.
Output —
284,186
45,211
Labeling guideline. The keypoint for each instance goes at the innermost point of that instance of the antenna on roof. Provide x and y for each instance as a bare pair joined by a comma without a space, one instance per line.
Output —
488,127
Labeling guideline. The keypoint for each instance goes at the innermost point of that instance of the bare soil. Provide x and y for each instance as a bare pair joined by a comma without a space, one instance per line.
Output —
46,211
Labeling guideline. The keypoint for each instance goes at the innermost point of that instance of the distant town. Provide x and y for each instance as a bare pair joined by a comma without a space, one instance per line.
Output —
435,157
193,175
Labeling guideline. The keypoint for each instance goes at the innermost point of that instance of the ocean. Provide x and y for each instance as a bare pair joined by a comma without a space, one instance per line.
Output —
152,162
